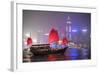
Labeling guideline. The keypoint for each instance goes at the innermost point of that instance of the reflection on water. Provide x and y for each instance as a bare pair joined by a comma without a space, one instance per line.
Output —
69,54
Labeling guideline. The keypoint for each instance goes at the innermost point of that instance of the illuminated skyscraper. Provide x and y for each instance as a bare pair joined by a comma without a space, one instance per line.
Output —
68,28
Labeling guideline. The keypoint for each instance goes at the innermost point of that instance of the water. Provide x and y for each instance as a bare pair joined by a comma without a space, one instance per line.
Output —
69,54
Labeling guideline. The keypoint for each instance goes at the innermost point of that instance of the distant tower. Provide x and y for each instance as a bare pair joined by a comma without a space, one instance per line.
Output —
68,28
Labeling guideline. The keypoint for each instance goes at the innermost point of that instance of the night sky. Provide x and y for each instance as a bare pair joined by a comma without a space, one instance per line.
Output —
39,23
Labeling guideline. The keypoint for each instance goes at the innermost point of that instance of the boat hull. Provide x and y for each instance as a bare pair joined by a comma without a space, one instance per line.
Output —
44,49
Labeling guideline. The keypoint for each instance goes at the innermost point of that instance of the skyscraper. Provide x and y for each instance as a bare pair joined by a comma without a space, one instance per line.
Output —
68,27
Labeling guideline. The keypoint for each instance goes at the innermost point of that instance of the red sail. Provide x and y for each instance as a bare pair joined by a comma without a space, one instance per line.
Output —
29,41
53,36
65,41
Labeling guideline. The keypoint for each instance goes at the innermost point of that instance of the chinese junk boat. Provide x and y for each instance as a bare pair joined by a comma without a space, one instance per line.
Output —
55,45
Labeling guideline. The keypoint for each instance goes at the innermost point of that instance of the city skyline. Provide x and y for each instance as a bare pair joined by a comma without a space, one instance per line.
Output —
39,24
